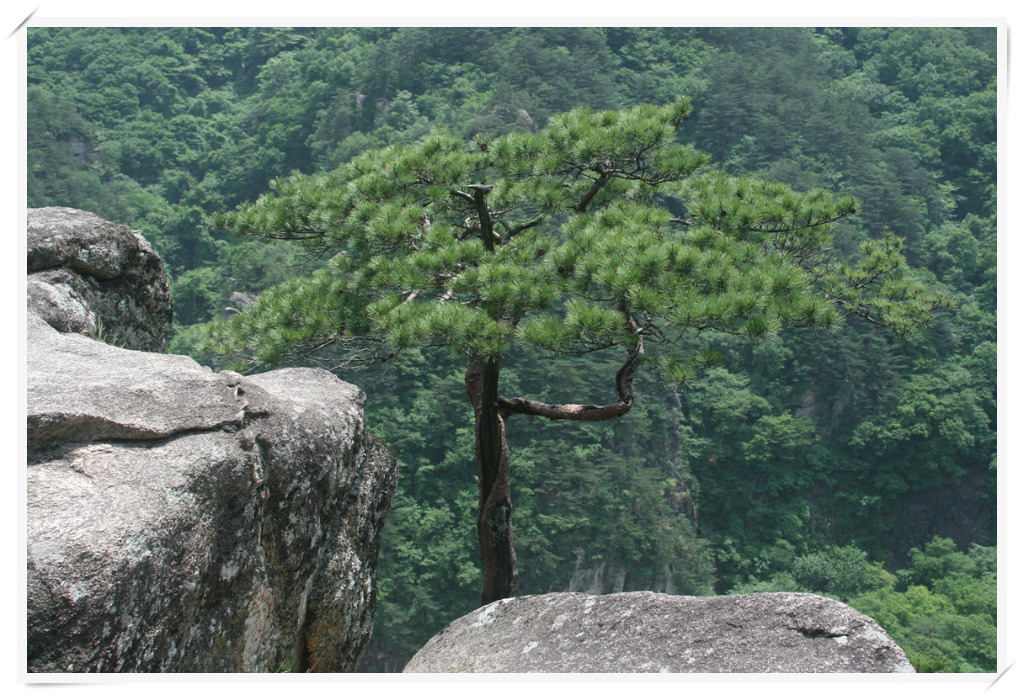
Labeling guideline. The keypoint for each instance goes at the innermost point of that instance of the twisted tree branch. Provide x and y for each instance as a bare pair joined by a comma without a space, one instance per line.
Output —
590,412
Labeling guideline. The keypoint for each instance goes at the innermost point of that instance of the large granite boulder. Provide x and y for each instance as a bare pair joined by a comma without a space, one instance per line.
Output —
181,520
103,280
178,519
654,632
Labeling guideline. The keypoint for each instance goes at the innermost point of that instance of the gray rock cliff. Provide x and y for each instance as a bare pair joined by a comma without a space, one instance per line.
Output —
653,632
184,520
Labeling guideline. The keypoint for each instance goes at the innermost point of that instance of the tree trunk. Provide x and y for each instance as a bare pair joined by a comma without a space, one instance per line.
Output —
494,521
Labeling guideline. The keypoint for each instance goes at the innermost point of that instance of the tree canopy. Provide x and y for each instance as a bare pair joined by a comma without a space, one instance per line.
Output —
600,231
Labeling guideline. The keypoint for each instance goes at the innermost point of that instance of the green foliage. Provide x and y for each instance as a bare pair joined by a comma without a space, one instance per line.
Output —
939,559
940,427
946,617
755,471
842,571
428,571
194,292
751,258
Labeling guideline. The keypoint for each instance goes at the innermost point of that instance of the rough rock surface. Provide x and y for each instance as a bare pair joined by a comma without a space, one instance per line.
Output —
654,632
181,520
103,280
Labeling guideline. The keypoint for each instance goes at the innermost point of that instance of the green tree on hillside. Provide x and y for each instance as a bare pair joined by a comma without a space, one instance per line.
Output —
600,232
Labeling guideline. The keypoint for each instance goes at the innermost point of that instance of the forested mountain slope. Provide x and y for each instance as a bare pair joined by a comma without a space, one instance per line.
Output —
795,464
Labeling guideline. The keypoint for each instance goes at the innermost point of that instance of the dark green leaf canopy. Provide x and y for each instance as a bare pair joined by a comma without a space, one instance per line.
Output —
603,229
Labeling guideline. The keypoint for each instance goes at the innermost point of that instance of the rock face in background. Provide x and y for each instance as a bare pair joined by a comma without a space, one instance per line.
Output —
103,280
238,301
653,632
182,520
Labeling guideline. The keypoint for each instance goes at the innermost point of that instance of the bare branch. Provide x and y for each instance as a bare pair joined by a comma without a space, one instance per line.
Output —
465,196
484,215
787,229
522,227
468,232
590,412
600,182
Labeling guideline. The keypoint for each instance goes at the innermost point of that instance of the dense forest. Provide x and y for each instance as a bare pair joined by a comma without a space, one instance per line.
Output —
843,462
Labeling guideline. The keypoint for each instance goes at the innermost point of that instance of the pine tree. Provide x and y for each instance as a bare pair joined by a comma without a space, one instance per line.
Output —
602,232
